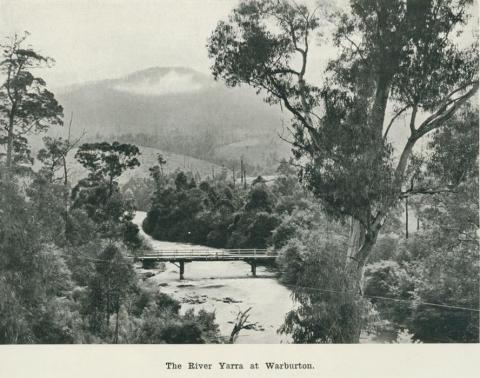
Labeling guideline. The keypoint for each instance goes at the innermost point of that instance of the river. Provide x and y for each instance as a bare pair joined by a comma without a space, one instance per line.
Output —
225,287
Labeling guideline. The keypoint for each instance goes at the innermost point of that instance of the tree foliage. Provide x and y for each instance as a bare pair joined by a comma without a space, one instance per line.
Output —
99,194
64,277
26,106
107,161
393,54
213,213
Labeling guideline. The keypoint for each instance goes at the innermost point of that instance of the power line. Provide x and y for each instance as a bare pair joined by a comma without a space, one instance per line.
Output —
443,305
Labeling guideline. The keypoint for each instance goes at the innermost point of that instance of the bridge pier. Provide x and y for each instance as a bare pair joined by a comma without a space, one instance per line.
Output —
182,269
253,266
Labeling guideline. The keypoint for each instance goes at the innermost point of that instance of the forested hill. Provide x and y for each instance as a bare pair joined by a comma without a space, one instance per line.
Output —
162,98
147,159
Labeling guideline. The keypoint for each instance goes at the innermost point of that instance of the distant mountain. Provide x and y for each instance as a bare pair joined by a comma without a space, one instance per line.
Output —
165,98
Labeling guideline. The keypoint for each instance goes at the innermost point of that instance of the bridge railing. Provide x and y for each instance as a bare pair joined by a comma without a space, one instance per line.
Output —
216,253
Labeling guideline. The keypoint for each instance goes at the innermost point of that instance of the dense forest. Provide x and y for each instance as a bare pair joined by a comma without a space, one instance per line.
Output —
64,272
219,214
374,237
403,276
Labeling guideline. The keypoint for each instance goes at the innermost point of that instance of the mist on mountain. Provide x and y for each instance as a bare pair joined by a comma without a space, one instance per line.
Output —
180,110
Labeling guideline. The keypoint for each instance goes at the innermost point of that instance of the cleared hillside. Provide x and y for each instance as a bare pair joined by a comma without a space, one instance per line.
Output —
148,158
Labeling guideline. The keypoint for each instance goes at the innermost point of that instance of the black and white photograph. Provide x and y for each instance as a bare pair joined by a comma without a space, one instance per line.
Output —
239,172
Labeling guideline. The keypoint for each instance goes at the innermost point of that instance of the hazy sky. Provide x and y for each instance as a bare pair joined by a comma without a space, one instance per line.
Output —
98,39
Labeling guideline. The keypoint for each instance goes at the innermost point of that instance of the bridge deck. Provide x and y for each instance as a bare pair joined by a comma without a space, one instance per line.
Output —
207,255
251,256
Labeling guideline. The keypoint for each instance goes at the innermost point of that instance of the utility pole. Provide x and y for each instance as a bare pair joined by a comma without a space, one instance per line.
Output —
241,171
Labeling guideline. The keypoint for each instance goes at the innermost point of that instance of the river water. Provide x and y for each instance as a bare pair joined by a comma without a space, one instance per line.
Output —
225,287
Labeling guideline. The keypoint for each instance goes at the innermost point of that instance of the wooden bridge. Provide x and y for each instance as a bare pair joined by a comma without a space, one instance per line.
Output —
181,257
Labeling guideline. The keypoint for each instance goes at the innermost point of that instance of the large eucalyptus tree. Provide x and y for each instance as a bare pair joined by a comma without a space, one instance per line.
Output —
396,57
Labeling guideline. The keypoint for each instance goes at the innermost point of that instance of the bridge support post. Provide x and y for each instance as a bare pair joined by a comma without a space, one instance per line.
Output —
182,269
253,265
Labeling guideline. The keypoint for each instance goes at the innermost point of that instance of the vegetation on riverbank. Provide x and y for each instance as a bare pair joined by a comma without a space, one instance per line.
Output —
218,213
64,272
339,213
401,275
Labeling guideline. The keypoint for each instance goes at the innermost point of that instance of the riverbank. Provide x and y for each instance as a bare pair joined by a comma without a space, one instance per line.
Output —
225,287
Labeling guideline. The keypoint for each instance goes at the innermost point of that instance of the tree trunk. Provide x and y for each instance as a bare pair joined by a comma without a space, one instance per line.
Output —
110,186
116,325
380,105
65,171
356,237
10,137
66,196
360,246
107,312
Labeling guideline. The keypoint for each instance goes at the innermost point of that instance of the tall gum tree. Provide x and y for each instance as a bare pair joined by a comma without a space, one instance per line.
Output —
396,54
26,106
98,194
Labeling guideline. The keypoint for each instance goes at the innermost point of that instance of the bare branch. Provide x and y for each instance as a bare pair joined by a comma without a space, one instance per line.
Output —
358,51
416,191
70,126
444,113
393,120
282,71
27,129
432,122
285,139
241,323
76,141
